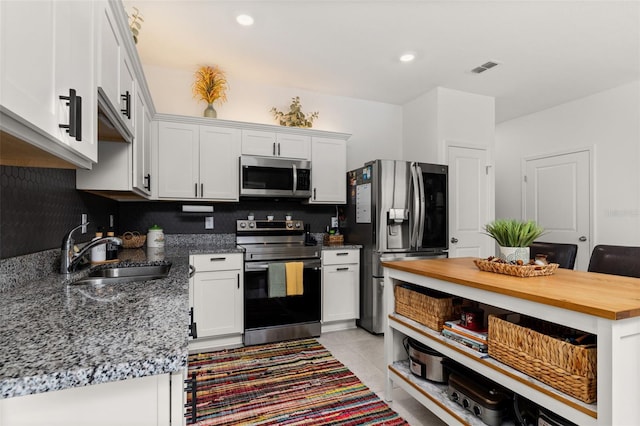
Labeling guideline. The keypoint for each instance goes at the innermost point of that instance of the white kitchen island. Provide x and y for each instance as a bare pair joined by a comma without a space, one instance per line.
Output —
605,305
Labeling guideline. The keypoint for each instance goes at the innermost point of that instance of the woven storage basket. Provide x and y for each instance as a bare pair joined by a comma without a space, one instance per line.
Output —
567,367
133,240
333,240
429,309
516,270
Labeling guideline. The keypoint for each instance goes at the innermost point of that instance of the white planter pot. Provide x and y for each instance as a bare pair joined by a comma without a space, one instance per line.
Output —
514,253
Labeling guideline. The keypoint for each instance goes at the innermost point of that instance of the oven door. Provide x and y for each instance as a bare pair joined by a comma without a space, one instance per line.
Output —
261,311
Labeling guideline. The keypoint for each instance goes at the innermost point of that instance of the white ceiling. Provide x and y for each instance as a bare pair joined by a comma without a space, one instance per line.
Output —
550,52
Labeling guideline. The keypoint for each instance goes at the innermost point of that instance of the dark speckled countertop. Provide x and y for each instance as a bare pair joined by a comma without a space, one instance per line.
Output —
56,336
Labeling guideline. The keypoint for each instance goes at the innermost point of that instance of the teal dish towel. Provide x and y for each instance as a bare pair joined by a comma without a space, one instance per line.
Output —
277,280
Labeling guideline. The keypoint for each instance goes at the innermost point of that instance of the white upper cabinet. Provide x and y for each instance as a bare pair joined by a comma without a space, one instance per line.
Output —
274,144
197,161
142,180
46,77
328,171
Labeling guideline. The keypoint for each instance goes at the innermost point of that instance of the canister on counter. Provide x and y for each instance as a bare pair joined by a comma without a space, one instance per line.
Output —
155,237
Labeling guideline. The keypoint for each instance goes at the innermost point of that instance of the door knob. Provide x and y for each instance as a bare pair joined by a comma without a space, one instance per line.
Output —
583,238
454,240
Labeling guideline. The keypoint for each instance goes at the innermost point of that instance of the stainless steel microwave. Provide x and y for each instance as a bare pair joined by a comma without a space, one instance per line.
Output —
274,177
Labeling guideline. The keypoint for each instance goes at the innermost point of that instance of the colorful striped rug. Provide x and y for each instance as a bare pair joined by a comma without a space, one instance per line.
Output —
289,383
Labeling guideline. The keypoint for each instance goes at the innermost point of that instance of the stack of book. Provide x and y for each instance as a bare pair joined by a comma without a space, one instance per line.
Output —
474,339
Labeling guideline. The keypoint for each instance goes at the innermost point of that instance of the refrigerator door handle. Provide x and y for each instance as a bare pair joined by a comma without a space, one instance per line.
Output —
422,215
415,213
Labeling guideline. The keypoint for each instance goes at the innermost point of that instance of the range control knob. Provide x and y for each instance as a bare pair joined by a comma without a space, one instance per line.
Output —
297,224
289,225
243,225
252,225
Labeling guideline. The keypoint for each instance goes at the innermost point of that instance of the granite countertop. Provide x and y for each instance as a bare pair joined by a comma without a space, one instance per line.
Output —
56,336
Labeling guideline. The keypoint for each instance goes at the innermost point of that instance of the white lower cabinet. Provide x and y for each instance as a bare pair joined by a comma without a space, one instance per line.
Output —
146,401
216,299
340,289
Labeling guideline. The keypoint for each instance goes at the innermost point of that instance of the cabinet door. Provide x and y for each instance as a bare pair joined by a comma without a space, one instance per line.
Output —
141,145
126,93
219,163
293,146
75,50
217,303
178,160
27,62
109,56
255,142
341,292
328,172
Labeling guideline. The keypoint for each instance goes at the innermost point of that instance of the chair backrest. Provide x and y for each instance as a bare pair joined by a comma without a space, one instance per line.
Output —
616,260
562,254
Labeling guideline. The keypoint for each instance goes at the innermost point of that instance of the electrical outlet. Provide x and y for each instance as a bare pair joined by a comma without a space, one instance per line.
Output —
111,221
83,222
208,222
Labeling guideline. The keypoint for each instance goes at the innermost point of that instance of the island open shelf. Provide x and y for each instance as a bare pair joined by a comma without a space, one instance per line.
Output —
605,305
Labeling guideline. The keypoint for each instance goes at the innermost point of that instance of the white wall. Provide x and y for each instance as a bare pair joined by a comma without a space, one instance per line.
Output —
446,115
376,127
609,122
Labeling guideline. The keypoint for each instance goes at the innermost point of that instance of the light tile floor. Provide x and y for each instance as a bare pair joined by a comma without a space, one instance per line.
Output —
363,353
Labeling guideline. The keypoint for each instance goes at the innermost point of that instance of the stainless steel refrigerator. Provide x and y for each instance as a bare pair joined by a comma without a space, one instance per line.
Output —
397,210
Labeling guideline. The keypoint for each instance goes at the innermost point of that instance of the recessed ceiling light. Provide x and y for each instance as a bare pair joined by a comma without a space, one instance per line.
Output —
407,57
244,20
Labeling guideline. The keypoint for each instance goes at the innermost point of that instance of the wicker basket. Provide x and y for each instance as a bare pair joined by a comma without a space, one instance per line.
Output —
133,240
333,240
567,367
431,309
516,270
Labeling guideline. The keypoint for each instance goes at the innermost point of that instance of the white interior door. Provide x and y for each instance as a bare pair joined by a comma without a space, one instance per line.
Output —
469,202
556,191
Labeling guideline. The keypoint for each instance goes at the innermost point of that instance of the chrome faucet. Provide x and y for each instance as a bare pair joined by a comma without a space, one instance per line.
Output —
69,260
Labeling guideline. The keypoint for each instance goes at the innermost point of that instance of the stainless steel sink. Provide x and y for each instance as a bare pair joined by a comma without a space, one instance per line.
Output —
124,274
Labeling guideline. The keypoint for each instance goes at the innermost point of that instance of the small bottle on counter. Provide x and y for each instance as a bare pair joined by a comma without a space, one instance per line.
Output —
112,249
99,252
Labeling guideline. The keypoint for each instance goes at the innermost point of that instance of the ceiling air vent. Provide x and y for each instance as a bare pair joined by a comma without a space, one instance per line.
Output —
484,67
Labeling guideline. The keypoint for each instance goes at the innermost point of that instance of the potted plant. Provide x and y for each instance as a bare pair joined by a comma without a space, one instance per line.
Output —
514,237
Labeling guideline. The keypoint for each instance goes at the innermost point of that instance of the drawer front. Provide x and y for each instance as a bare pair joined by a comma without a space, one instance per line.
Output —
217,262
337,257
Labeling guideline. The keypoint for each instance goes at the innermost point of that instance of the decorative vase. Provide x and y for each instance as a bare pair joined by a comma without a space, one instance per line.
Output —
210,112
513,254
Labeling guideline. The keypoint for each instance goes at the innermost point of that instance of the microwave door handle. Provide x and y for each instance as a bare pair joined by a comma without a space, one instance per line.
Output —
415,213
295,179
422,214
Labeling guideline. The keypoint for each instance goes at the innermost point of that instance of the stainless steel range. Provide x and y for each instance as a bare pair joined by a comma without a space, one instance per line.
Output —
282,295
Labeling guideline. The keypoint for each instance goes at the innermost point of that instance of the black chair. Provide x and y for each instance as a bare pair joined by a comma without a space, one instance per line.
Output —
562,254
616,260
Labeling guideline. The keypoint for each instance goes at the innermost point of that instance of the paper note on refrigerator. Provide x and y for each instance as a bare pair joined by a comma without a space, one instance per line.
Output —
363,203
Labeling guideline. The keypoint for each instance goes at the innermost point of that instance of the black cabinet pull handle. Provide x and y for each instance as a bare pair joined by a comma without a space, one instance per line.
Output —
217,259
201,190
196,187
238,281
147,178
344,253
72,104
274,148
278,149
79,118
192,270
314,193
193,328
342,269
127,101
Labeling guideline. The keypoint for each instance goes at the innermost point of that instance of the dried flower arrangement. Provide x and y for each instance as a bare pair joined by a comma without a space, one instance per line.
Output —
210,86
295,117
135,23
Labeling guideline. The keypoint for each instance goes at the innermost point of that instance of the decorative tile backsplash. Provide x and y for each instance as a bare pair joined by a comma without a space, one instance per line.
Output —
38,206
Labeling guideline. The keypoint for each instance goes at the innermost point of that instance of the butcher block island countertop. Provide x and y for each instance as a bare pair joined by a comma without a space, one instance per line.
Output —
602,295
605,305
